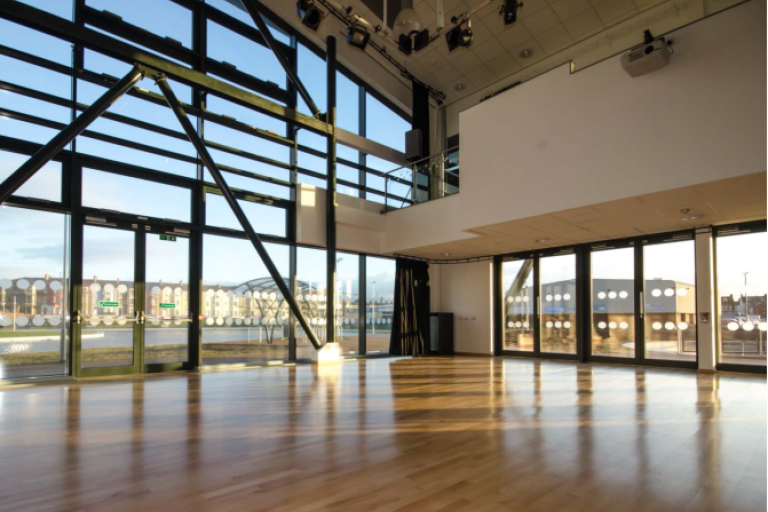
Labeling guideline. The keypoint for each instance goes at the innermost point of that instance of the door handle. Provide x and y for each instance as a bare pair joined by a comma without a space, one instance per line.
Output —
642,305
77,318
538,308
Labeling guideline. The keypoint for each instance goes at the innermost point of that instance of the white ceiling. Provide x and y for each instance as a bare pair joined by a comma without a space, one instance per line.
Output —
549,28
719,202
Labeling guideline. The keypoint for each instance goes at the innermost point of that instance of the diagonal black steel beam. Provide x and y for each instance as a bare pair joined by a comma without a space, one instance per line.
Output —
252,9
65,136
194,137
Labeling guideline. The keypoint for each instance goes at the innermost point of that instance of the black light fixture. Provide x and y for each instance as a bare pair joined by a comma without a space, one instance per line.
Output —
405,44
310,15
357,36
421,40
509,11
460,36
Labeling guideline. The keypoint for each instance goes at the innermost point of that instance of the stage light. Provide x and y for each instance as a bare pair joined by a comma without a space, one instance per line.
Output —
459,36
509,11
310,15
358,36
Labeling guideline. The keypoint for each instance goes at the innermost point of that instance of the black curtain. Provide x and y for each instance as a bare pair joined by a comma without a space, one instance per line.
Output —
410,319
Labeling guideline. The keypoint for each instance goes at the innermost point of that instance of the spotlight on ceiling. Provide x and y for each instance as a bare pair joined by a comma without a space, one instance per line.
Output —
508,11
357,36
310,15
460,36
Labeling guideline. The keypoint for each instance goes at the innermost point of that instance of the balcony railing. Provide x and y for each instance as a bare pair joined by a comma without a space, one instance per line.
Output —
430,178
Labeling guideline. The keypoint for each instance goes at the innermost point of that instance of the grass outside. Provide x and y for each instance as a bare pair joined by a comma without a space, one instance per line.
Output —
155,352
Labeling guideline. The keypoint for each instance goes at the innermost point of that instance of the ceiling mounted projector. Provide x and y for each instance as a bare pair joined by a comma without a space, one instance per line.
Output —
652,55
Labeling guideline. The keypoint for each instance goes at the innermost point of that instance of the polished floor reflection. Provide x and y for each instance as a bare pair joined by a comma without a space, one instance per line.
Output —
441,434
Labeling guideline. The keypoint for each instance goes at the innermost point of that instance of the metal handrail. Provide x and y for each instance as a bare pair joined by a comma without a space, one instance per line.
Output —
411,164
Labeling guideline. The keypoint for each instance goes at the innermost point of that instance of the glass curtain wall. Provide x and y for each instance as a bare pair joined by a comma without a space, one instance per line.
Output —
379,303
557,296
742,285
518,302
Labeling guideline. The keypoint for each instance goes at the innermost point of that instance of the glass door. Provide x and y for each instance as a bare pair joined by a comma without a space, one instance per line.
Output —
557,304
134,306
669,300
613,302
111,303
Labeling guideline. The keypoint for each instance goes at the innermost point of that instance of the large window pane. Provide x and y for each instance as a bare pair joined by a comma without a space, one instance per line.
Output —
311,285
161,17
613,302
347,302
380,300
518,290
348,104
250,57
35,42
312,73
267,220
383,125
130,195
44,184
166,304
742,282
245,317
558,303
670,301
34,340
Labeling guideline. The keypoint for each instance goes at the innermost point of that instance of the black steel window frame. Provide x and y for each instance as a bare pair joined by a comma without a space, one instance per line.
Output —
584,301
721,232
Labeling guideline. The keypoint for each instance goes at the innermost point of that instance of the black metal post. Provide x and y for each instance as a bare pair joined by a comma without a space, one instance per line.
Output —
330,192
252,8
178,110
65,136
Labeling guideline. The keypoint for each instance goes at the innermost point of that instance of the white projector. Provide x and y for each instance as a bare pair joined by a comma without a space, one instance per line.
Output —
647,58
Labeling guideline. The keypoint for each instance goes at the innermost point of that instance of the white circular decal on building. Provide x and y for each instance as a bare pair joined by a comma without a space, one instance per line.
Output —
95,287
109,288
669,292
39,285
669,326
38,321
55,286
748,326
209,321
612,325
558,324
155,290
167,290
733,326
656,292
22,321
558,297
602,325
656,326
526,325
567,324
94,321
763,326
54,321
166,323
109,321
567,296
121,320
209,293
178,290
5,283
549,324
219,321
265,295
682,292
624,325
601,295
238,321
623,294
517,299
121,288
548,298
525,298
228,321
22,284
682,326
612,295
518,324
5,321
247,321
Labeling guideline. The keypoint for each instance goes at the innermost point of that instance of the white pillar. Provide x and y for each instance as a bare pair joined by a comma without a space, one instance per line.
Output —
705,300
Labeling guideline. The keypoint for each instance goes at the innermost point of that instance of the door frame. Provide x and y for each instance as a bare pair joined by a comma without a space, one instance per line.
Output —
584,302
140,231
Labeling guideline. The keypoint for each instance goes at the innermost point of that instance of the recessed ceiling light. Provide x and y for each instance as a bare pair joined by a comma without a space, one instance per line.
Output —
526,53
689,218
459,87
542,240
446,254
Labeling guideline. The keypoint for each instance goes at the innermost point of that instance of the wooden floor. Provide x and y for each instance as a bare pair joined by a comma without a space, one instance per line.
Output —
459,434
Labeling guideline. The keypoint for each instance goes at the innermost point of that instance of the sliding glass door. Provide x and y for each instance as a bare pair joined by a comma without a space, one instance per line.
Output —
539,300
613,302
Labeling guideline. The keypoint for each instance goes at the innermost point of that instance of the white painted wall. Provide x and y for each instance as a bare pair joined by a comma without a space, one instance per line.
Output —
563,141
466,292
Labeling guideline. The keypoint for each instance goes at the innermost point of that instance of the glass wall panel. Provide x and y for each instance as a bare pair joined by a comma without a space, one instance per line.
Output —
347,104
62,8
347,302
166,331
311,285
44,184
245,317
613,302
251,58
34,253
131,195
109,297
742,283
518,300
312,73
557,275
167,19
36,43
379,303
670,300
383,125
267,220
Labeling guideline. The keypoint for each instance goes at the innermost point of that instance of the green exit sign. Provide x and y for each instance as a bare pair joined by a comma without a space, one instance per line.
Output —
167,305
108,304
168,238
